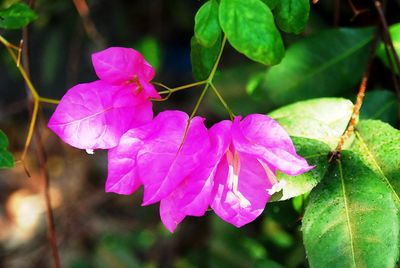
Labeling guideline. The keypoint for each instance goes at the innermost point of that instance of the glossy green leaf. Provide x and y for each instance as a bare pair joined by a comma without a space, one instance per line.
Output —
250,29
379,145
395,34
203,58
322,119
206,24
351,218
382,105
292,15
326,64
16,16
6,158
316,154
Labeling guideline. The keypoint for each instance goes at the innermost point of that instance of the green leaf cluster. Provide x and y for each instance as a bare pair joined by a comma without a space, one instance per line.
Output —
16,16
352,210
251,27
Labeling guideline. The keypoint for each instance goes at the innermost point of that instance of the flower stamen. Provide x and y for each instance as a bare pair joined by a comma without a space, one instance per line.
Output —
233,178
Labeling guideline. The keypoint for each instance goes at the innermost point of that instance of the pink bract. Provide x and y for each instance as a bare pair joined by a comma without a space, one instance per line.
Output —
95,115
246,174
121,66
160,156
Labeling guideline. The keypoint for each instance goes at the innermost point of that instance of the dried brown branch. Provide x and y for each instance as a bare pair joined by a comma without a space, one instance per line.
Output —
360,97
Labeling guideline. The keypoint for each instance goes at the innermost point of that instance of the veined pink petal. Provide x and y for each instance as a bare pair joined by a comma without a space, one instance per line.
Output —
193,196
163,163
265,131
119,65
95,115
240,198
276,150
122,167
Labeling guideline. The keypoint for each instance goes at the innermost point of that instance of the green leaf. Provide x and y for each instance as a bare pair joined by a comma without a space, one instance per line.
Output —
395,34
6,158
379,145
16,16
326,64
206,24
292,15
322,119
250,29
351,219
316,154
380,104
203,58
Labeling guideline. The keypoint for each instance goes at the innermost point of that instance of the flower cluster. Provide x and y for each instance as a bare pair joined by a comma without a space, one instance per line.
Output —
188,168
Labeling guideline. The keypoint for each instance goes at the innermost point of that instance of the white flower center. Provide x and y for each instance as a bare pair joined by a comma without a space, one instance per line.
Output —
233,178
89,151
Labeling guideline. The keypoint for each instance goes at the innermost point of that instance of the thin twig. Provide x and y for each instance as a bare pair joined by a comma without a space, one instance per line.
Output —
34,99
90,28
336,14
360,97
388,40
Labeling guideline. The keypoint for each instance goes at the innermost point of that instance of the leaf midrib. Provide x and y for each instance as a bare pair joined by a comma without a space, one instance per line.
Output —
347,213
328,64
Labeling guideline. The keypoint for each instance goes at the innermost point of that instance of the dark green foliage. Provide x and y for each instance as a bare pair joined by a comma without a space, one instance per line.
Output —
203,58
326,64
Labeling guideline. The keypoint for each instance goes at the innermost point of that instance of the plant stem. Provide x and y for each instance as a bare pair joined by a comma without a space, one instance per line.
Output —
360,97
214,69
221,99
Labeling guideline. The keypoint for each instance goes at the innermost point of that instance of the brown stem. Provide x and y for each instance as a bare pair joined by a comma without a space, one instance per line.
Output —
336,14
360,97
90,28
41,154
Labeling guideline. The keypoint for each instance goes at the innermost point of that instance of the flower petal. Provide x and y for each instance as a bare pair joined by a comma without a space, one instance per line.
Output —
247,203
193,196
118,65
265,131
122,167
95,115
163,162
262,137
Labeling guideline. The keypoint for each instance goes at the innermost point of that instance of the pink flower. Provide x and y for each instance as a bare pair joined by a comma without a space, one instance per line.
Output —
246,175
156,156
231,167
122,66
95,115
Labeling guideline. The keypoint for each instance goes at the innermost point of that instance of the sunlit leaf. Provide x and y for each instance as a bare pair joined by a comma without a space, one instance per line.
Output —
325,64
322,119
6,158
316,154
16,16
250,29
206,25
379,146
351,218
